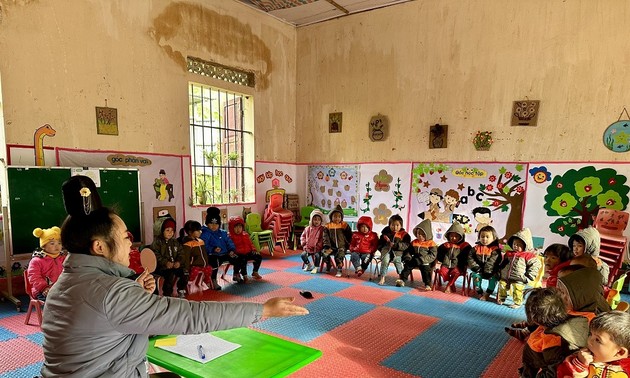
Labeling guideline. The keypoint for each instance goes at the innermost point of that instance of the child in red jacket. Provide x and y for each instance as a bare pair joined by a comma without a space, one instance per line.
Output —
363,245
244,249
607,349
46,265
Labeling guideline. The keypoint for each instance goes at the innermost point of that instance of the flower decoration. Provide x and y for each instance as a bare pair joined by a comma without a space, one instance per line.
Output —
483,140
85,192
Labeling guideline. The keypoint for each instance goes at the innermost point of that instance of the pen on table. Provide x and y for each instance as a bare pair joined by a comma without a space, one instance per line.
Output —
202,354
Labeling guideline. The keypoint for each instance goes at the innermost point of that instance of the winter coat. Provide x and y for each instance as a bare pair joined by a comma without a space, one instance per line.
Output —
585,290
572,367
312,238
485,259
401,240
520,267
194,253
364,243
425,251
242,242
218,238
97,322
552,279
547,348
43,271
453,255
592,242
337,235
167,251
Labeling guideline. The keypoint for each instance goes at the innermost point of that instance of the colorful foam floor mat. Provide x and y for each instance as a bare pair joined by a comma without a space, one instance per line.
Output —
363,329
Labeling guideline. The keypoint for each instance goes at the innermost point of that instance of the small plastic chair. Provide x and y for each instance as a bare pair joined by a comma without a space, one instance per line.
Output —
34,303
259,236
613,297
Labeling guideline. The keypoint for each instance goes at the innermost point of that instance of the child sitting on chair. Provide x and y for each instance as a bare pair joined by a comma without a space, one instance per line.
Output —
452,256
421,255
169,255
218,244
47,262
484,261
312,240
363,245
244,249
337,236
393,243
587,241
520,265
606,354
195,256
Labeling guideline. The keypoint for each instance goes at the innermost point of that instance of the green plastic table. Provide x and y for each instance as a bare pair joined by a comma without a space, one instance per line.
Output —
260,355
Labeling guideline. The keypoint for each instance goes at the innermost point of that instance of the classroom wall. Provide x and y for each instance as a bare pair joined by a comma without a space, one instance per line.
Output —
463,63
60,59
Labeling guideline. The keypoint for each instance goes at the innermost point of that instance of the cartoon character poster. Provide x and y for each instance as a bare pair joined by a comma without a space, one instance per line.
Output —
332,185
474,194
563,198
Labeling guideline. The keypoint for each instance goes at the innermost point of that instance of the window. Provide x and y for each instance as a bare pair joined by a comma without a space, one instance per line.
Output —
221,145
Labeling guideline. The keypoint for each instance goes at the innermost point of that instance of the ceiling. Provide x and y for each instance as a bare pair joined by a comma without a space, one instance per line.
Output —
306,12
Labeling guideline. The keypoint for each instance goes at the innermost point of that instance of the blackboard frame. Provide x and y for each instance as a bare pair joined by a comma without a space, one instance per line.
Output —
35,200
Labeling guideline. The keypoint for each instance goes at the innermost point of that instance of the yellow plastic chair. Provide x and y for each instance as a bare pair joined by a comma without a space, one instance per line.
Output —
614,298
259,236
541,272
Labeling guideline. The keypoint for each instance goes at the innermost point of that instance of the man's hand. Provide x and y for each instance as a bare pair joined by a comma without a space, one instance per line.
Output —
281,307
147,281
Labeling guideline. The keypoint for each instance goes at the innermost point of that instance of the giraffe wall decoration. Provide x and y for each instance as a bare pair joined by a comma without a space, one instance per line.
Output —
40,133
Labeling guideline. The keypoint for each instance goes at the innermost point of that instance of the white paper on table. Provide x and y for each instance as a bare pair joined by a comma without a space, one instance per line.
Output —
213,347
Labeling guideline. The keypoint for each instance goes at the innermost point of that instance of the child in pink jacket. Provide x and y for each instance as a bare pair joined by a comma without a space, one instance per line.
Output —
46,265
312,240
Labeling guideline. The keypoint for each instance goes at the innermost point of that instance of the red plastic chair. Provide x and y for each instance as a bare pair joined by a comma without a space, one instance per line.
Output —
611,225
34,304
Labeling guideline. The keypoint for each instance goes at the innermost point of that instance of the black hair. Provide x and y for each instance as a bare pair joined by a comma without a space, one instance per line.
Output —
192,226
87,218
397,218
481,210
489,229
559,250
545,307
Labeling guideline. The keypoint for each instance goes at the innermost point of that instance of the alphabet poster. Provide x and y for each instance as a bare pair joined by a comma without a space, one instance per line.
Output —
474,194
332,185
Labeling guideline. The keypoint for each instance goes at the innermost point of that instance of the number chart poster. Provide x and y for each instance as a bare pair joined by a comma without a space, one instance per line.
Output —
332,185
563,198
474,194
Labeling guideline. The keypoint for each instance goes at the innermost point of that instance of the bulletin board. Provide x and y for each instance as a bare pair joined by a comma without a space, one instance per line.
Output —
35,200
332,185
474,194
565,197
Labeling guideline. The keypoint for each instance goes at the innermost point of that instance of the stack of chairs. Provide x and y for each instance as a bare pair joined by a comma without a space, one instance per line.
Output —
278,219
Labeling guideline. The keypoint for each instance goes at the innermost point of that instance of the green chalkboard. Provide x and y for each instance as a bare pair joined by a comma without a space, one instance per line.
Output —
35,200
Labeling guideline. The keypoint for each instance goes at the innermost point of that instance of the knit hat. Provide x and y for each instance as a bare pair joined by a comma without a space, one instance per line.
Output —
169,223
46,235
213,215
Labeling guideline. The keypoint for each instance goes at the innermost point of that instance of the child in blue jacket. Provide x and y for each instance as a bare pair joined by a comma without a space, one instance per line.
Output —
218,244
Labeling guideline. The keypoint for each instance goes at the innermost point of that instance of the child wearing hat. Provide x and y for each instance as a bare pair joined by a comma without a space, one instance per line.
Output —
219,246
169,255
46,264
